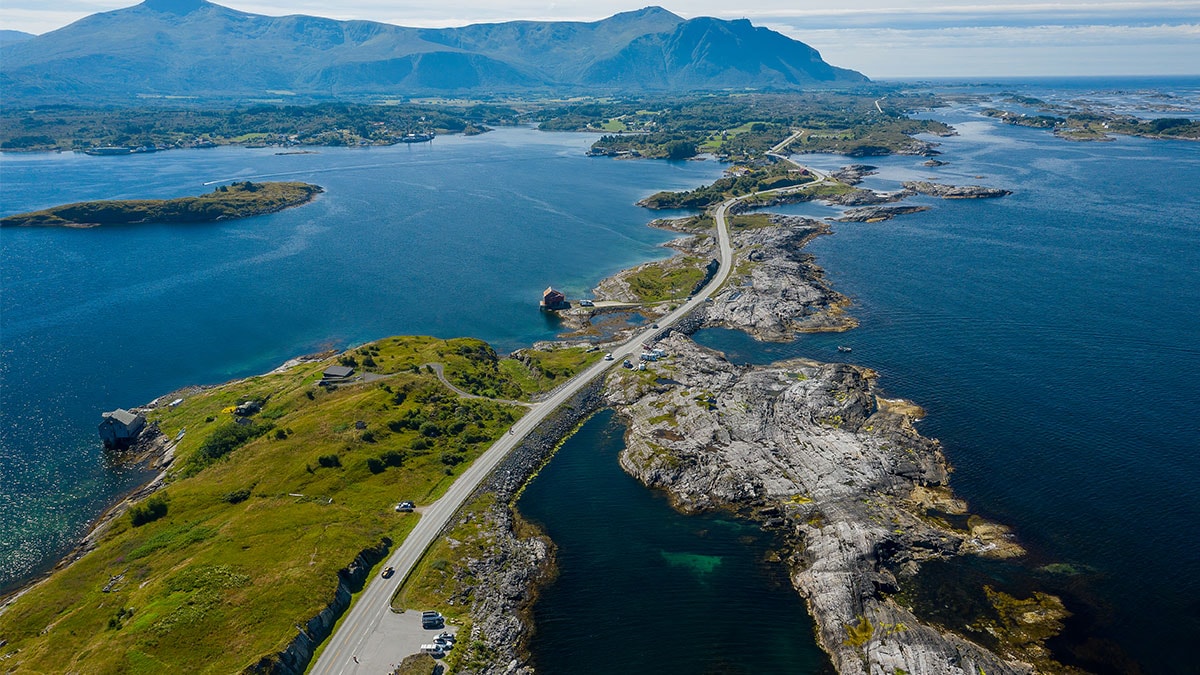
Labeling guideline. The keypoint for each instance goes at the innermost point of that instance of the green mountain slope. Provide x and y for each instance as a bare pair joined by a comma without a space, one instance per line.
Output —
198,48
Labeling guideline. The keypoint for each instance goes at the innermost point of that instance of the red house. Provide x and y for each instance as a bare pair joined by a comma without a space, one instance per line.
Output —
552,299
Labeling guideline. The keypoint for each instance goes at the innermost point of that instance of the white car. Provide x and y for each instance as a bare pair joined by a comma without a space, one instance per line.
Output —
608,356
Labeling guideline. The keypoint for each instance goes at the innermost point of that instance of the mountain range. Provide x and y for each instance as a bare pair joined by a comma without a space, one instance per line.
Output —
201,49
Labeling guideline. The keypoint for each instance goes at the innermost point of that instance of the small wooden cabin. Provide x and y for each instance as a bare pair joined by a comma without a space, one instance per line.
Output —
120,428
552,299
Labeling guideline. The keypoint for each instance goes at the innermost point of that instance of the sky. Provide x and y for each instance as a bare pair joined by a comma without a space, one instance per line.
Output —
881,38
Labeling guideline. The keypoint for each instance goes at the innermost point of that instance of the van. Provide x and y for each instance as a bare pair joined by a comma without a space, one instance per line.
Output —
432,649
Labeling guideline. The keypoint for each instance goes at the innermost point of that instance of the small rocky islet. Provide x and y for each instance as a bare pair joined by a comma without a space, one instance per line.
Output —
226,202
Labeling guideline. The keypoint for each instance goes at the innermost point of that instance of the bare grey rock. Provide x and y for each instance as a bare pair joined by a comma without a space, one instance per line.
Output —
853,174
815,446
874,214
777,289
954,191
862,197
498,591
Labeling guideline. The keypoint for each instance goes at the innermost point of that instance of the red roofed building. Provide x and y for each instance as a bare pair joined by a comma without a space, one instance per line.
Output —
552,299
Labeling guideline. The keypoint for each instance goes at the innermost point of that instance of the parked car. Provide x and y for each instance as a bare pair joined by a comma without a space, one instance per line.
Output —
405,507
447,635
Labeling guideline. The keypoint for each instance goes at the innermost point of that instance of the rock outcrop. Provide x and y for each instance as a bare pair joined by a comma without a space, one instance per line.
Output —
875,214
954,191
777,290
816,453
498,593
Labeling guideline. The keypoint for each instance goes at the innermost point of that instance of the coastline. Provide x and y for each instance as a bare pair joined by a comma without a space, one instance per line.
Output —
837,550
153,450
768,266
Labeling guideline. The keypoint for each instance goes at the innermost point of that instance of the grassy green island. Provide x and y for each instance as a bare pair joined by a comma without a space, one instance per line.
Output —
260,510
226,202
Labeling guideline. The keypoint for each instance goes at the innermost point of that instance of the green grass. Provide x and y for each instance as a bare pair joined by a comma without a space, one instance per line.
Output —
539,370
240,200
219,580
614,124
442,572
860,633
443,575
659,283
750,221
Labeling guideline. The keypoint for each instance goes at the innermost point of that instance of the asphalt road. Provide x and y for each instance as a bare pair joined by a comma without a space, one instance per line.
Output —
352,648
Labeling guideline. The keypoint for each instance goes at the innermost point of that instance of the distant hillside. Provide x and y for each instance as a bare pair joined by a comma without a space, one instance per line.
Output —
198,48
8,37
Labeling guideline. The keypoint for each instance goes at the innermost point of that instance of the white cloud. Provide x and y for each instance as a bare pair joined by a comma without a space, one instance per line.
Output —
1010,51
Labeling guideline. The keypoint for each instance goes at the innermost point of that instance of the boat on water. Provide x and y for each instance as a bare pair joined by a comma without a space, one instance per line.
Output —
844,348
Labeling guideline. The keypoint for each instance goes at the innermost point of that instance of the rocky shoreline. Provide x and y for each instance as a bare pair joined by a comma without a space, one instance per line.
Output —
776,291
816,452
151,450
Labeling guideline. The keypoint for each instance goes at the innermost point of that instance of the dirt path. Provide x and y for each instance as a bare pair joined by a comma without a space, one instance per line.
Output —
441,375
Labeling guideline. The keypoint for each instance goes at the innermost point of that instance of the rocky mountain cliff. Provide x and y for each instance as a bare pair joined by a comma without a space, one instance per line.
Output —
198,48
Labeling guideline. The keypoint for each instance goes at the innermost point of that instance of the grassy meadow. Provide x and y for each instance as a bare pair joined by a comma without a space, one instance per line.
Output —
257,516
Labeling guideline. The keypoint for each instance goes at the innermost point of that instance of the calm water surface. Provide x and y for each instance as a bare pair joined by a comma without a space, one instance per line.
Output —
1052,336
641,586
456,237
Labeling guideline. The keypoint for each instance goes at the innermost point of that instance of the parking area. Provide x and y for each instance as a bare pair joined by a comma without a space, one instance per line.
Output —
396,636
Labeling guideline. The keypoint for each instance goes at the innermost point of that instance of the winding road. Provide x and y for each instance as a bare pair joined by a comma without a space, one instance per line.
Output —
358,644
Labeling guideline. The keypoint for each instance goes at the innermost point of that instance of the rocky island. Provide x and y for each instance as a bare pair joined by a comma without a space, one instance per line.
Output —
811,450
226,202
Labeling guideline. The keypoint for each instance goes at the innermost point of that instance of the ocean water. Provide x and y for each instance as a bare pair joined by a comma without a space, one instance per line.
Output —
642,586
1050,335
455,237
1053,338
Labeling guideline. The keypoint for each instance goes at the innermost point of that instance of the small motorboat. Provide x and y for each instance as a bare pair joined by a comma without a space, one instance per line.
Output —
844,348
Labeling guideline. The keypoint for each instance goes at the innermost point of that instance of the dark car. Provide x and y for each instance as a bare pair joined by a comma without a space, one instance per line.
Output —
388,571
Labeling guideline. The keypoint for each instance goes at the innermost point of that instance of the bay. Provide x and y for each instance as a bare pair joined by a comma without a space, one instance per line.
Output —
457,237
640,585
1050,335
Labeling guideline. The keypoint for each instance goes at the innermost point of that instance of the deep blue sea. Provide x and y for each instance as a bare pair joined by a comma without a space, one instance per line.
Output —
454,237
1051,336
